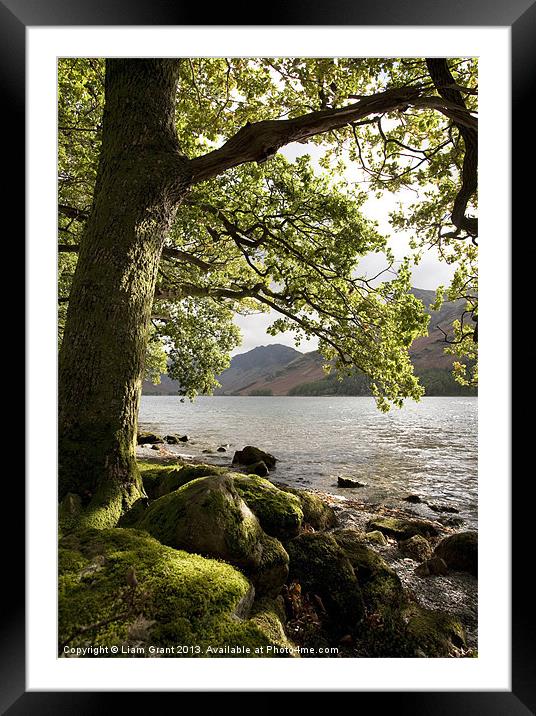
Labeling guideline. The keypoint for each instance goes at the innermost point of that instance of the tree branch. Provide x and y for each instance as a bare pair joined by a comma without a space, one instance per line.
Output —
446,86
168,252
259,141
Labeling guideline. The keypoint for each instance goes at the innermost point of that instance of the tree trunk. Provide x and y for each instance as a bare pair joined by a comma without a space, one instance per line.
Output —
140,182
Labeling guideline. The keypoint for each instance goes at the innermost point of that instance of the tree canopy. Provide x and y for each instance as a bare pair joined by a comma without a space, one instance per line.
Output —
258,232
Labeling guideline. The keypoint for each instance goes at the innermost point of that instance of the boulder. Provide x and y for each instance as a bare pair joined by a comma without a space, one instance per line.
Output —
402,529
434,567
376,537
380,585
149,439
155,447
460,552
416,547
250,455
161,596
316,512
413,499
323,570
222,449
208,516
159,480
434,634
184,438
259,468
279,512
171,439
349,482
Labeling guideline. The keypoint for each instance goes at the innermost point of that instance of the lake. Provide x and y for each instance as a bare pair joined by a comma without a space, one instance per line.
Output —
427,448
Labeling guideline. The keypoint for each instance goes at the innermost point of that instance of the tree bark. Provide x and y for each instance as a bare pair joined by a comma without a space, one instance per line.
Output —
140,182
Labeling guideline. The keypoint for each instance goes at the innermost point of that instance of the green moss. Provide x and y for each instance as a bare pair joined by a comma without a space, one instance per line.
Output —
179,598
278,511
376,537
315,512
207,516
319,564
416,547
402,529
435,634
159,480
380,585
273,568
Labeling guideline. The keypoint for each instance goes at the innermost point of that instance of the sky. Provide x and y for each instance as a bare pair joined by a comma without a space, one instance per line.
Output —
429,274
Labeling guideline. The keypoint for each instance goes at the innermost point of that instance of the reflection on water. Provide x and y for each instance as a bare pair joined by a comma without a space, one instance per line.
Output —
427,448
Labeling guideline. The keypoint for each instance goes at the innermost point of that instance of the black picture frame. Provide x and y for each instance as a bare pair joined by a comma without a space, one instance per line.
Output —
15,16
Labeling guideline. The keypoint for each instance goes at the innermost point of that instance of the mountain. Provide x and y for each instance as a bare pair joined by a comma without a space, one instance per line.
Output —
281,370
249,371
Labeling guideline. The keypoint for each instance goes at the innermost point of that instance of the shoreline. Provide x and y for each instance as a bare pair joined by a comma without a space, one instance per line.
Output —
456,593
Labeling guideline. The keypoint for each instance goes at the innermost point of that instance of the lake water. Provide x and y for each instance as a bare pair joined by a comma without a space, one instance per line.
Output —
427,448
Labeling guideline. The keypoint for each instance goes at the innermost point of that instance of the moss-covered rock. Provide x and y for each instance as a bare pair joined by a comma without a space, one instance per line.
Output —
315,511
251,455
208,516
135,514
159,480
376,537
433,567
434,634
416,547
380,585
402,529
460,552
278,511
120,587
319,564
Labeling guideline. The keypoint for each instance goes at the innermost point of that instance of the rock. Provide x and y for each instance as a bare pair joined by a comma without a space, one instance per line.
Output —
149,438
442,508
159,480
416,547
434,567
155,447
319,564
208,451
279,512
460,552
376,537
380,585
171,439
185,599
222,449
208,516
451,521
259,468
316,512
349,482
434,634
134,515
250,455
413,499
184,438
402,529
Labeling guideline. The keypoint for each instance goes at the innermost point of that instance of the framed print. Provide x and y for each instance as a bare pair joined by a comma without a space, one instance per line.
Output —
225,199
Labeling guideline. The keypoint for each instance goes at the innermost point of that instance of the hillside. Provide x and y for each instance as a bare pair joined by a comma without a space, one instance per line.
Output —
281,370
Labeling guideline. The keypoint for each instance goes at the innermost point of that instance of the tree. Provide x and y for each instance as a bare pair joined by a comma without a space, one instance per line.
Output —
178,219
